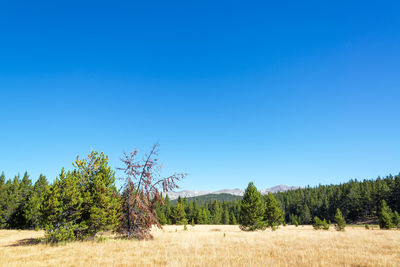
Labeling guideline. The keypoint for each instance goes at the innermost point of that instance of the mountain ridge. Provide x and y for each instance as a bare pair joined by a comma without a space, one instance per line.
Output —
235,191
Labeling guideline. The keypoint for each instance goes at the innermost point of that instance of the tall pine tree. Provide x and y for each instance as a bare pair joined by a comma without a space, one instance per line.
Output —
252,209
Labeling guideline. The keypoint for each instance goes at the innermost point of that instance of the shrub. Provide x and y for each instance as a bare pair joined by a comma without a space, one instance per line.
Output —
325,225
318,224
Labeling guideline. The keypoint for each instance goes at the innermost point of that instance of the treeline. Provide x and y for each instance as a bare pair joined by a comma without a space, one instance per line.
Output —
28,205
359,201
194,212
20,201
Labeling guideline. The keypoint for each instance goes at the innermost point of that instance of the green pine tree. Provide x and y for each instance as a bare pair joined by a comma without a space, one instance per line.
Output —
305,214
252,209
340,222
178,214
233,219
3,201
317,223
273,215
385,216
396,220
83,202
32,212
225,217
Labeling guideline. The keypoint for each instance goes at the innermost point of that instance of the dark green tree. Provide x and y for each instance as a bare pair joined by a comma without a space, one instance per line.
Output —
225,217
3,201
305,214
252,209
32,212
396,220
233,219
273,215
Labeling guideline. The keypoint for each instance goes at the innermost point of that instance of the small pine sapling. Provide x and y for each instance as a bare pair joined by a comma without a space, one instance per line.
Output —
340,222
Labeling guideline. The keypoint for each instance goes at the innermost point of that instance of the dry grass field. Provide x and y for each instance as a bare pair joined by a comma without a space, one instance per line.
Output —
212,246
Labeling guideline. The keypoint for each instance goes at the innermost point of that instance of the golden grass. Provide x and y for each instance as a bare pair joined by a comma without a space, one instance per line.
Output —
212,245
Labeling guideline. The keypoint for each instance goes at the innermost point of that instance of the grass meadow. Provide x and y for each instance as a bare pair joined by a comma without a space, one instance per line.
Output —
211,245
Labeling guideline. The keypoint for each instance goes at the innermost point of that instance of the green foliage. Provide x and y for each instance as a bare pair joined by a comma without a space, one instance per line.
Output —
83,202
216,212
357,200
178,214
366,226
225,217
318,224
340,222
396,220
233,219
223,197
252,209
3,201
325,225
273,215
385,216
305,214
32,212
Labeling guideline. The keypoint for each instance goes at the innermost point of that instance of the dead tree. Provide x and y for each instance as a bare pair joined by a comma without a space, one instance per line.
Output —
142,192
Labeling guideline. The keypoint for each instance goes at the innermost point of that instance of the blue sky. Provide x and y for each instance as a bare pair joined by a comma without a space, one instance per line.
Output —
235,91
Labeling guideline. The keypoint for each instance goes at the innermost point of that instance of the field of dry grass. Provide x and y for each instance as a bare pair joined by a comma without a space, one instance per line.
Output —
212,246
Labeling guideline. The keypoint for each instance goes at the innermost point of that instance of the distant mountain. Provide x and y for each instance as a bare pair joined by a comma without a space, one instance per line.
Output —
235,192
209,197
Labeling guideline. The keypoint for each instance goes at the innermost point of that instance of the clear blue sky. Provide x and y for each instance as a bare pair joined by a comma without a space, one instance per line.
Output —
304,92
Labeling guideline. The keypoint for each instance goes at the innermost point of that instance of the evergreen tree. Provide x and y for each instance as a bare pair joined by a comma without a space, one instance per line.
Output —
163,219
216,213
100,207
167,209
385,216
396,220
273,215
252,209
3,201
21,194
32,212
317,223
340,222
325,225
202,216
305,214
62,209
233,219
83,202
225,217
178,214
